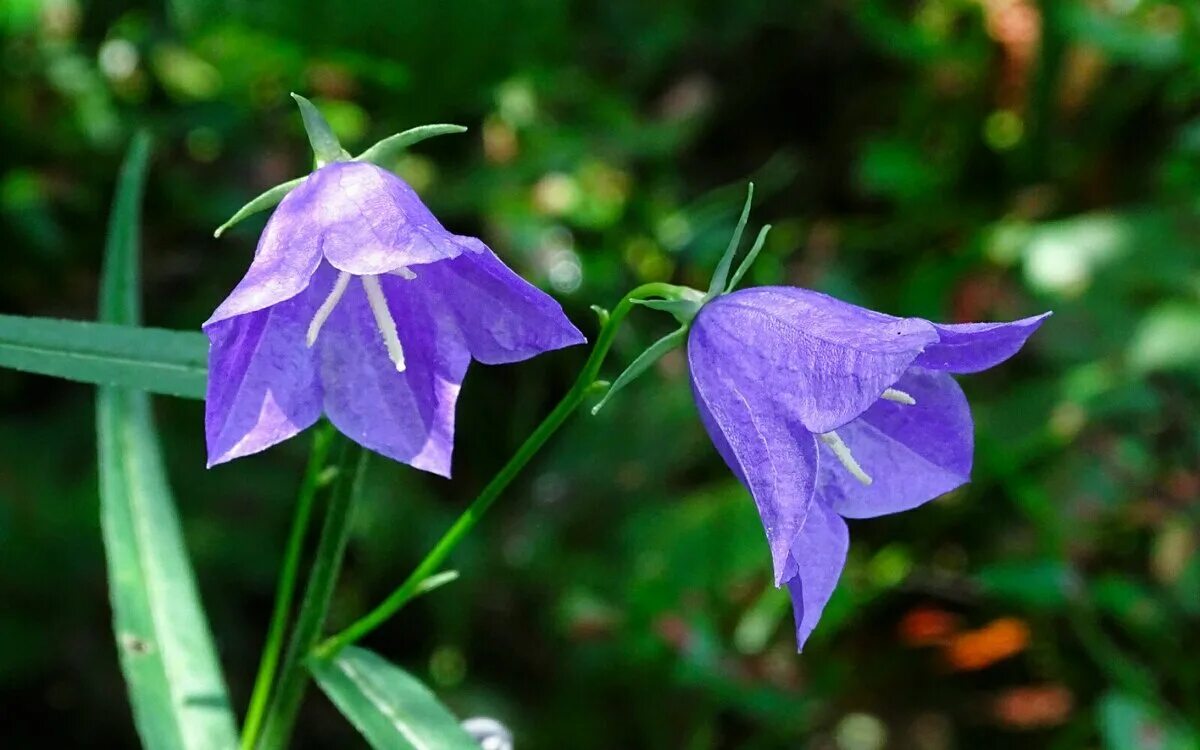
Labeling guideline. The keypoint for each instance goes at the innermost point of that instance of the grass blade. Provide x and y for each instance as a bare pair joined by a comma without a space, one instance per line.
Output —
166,651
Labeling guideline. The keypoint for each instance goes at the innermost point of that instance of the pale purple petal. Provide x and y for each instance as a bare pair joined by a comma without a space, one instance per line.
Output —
502,317
819,554
407,416
913,453
288,253
372,222
771,453
262,386
972,347
822,360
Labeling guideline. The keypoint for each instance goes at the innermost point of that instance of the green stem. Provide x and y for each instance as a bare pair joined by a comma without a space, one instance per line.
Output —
284,594
293,678
433,561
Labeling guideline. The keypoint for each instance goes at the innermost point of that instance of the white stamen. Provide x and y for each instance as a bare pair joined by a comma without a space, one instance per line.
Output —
326,308
383,320
404,273
842,451
900,397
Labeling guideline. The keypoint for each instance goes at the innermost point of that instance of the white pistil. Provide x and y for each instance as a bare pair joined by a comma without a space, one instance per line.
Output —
383,320
840,449
326,308
404,272
900,397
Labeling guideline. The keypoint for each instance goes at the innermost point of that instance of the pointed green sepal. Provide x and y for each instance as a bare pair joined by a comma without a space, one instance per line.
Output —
384,152
325,145
267,199
722,274
749,259
647,358
684,310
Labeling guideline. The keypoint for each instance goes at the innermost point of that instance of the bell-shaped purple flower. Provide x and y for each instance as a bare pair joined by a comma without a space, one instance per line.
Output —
826,410
360,306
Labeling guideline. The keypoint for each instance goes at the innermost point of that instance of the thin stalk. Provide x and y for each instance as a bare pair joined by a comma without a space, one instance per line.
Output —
331,548
286,590
470,517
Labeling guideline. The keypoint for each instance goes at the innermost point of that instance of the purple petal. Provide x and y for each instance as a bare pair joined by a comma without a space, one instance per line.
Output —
372,222
819,554
971,347
913,453
262,379
287,255
502,317
407,416
772,454
823,360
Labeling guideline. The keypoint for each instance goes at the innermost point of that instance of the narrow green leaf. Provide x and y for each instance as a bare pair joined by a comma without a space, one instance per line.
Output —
388,706
172,363
647,358
166,651
748,261
386,151
266,199
722,272
324,143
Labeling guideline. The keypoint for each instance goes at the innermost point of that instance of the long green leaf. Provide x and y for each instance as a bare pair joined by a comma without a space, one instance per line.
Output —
172,363
390,707
166,650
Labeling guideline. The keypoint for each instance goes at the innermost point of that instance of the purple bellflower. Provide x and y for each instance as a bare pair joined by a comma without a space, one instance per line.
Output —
361,306
825,410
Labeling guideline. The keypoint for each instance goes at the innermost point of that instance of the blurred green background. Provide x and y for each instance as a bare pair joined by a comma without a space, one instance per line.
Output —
954,159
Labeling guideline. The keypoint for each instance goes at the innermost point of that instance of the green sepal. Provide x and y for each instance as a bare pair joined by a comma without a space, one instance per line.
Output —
749,259
684,310
385,151
647,358
325,145
267,199
722,273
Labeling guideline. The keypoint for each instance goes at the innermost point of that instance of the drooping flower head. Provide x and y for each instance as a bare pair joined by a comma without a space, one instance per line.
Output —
361,306
825,411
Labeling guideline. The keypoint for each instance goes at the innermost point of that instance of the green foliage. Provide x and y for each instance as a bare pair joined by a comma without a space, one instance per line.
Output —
390,707
163,640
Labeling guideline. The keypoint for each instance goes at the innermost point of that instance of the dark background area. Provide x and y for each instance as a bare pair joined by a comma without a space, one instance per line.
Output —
954,159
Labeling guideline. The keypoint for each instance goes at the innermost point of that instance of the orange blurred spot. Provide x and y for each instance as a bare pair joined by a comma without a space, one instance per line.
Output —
927,626
996,641
1034,706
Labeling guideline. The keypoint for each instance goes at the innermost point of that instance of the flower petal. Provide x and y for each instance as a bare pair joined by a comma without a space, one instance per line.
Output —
285,259
824,360
819,554
262,379
772,454
913,453
372,222
502,317
409,415
972,347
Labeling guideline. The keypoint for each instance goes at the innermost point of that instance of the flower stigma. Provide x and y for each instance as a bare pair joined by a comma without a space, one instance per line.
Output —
383,320
842,451
326,308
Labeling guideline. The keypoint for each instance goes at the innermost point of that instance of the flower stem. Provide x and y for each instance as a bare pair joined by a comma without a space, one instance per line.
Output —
412,586
293,677
267,668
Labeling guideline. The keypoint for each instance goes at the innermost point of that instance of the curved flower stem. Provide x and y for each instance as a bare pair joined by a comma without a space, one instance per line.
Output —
583,386
293,676
263,682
